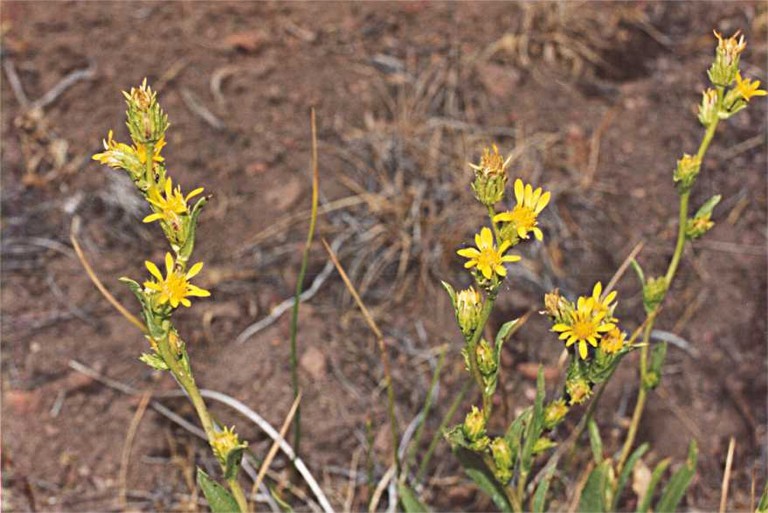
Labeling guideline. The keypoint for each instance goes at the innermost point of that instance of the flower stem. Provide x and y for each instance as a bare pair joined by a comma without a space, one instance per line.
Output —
474,369
669,276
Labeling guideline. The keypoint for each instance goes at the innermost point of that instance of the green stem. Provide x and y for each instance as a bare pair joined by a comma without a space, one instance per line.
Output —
472,342
669,276
491,215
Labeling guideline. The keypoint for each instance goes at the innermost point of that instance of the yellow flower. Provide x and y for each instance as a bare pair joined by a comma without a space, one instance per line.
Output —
586,325
141,151
748,88
118,155
225,441
169,203
613,341
524,216
175,287
604,305
486,257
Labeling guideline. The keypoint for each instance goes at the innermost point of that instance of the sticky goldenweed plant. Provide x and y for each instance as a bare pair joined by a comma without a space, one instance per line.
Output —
163,292
594,337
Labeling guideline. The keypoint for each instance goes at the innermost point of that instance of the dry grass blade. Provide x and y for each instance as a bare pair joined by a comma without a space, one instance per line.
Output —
128,445
382,349
727,475
275,445
623,268
99,285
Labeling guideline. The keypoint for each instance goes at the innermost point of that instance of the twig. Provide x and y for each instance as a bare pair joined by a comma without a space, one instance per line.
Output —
63,84
15,83
727,475
128,445
623,268
197,108
96,281
273,449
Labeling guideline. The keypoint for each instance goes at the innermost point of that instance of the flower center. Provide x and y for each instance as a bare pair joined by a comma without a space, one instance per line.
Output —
523,217
584,329
488,257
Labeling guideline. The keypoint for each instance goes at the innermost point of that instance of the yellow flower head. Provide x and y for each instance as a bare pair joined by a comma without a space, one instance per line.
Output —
604,305
525,215
486,257
118,155
225,441
141,151
175,287
554,413
169,203
748,88
613,341
730,48
586,325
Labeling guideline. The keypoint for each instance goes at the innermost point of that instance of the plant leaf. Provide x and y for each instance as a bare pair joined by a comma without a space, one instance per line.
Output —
624,476
219,499
595,441
762,506
645,504
504,332
593,496
409,499
535,425
451,292
479,472
539,501
154,361
708,206
678,483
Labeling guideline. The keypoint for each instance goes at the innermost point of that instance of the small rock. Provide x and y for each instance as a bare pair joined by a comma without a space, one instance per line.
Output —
313,363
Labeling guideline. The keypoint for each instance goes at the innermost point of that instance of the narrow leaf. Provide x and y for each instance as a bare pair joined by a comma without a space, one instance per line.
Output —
645,501
595,441
219,499
451,292
626,471
539,501
409,500
679,481
479,472
505,331
762,506
593,497
535,425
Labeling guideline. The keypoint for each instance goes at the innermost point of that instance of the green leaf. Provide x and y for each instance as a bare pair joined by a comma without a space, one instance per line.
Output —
625,472
535,426
638,271
762,506
219,499
504,332
706,208
409,499
595,441
514,433
479,472
189,243
539,501
645,504
678,483
451,292
234,457
658,354
593,496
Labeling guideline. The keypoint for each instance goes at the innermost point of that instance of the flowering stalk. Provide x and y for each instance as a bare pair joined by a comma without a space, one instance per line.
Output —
730,95
160,296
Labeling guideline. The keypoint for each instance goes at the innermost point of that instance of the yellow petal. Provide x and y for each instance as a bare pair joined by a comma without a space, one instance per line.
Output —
504,216
486,238
197,291
538,234
168,264
194,193
511,258
486,270
597,290
153,270
519,191
501,270
543,202
468,252
152,217
194,270
560,327
583,350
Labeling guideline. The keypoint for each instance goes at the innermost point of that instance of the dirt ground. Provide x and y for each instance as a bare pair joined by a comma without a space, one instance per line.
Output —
595,100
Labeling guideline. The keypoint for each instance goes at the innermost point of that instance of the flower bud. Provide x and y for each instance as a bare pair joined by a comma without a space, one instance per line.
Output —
613,341
698,226
686,172
147,122
556,306
578,390
654,291
708,110
469,304
554,413
502,458
490,177
225,441
486,362
474,425
723,71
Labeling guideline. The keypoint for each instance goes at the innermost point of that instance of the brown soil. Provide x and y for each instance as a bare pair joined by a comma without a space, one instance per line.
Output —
597,100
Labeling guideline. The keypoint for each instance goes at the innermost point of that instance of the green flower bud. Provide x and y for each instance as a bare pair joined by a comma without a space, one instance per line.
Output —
486,361
723,71
701,223
147,122
225,441
557,307
554,413
474,429
490,177
502,458
469,304
686,172
654,291
709,110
